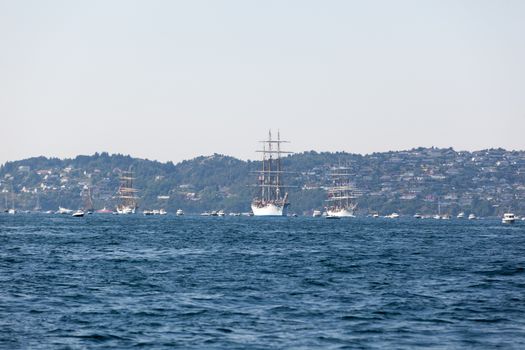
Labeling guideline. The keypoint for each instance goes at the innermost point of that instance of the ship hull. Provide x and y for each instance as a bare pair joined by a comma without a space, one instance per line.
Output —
340,213
270,209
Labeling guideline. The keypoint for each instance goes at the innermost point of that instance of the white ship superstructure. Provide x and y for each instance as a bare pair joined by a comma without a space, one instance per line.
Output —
271,199
341,195
508,218
127,194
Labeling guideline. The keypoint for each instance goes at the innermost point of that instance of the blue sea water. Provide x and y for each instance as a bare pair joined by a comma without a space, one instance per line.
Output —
126,282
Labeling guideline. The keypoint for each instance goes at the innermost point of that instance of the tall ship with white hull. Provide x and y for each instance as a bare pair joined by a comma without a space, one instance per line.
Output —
341,195
271,200
127,194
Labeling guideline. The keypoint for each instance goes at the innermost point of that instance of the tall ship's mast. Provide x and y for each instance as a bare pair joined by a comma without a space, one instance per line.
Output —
341,194
271,199
127,194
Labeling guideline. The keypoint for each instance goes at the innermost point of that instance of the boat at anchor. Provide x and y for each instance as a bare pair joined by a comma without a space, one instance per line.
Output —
271,200
127,194
341,195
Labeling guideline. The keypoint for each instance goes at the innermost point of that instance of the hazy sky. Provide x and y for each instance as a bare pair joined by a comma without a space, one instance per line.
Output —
171,80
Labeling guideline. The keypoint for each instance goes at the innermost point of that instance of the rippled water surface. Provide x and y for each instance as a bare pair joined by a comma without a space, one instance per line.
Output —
163,282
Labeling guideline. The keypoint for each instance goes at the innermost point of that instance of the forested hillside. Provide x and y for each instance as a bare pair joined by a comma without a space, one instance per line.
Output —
485,182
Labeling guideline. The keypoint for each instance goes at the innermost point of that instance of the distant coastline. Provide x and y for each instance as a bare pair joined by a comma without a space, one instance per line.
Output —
486,182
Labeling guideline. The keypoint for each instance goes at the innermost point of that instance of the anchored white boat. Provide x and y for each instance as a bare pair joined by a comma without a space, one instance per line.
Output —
271,201
127,194
62,210
460,215
393,216
179,212
125,210
472,217
78,214
508,218
317,214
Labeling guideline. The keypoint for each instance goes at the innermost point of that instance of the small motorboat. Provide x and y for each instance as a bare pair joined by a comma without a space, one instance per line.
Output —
78,214
508,218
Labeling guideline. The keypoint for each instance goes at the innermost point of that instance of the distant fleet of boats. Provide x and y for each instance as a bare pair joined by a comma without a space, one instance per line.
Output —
272,199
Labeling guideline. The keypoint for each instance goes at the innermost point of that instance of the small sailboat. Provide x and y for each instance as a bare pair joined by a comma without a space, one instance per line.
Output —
11,210
87,198
438,215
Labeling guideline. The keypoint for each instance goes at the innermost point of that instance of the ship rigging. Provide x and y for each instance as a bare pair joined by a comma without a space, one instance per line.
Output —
271,200
127,194
341,195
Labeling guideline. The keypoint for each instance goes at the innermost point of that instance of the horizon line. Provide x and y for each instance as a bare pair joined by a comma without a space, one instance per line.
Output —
256,160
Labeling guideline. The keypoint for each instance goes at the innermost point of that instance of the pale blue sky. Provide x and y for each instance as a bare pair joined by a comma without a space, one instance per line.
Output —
171,80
